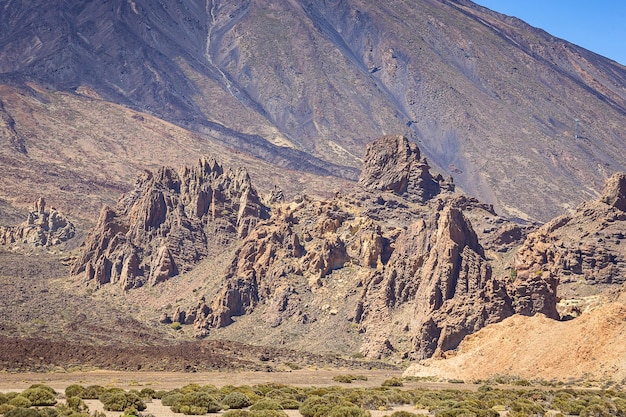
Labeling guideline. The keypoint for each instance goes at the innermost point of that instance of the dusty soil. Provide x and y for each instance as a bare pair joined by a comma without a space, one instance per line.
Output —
590,347
171,380
43,355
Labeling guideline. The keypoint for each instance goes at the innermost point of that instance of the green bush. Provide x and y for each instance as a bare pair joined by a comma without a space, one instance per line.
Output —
119,400
402,414
268,413
237,413
6,407
195,403
77,404
3,399
22,412
236,400
528,407
393,382
19,401
48,412
348,378
171,398
316,406
266,404
44,387
290,404
74,390
597,410
40,396
148,393
92,392
350,411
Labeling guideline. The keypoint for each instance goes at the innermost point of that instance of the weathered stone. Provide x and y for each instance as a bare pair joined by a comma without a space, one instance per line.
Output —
614,193
392,163
168,223
585,246
413,249
41,228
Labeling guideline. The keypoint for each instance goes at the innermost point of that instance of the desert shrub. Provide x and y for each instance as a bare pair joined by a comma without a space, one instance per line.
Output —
393,382
44,387
266,388
22,412
19,401
268,413
48,412
76,404
350,411
3,399
527,407
148,393
74,390
119,400
236,400
403,414
6,407
290,404
92,392
171,398
160,394
40,396
237,413
266,404
348,378
315,407
597,410
195,403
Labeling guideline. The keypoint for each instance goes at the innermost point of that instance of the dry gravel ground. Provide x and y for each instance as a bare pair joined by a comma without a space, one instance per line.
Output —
171,380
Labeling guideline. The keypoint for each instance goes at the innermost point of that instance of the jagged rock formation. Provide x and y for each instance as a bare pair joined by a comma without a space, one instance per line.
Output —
587,246
417,269
438,271
168,223
42,228
394,164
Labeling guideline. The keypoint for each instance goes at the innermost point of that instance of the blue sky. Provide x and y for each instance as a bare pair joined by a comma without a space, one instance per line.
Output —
597,25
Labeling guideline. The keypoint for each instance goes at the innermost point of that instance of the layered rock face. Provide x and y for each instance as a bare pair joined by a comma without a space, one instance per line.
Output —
168,223
41,228
417,267
588,246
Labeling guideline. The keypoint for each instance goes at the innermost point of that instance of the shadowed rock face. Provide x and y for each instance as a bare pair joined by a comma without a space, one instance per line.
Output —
168,223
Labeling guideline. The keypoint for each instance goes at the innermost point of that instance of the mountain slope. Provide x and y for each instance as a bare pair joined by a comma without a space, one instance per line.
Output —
490,99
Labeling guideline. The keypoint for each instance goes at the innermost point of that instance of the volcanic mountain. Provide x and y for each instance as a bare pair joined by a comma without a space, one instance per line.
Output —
91,92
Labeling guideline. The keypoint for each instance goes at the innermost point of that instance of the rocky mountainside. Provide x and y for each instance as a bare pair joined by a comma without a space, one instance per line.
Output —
305,86
403,264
